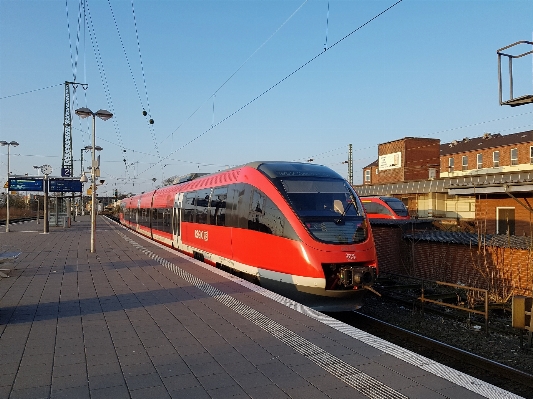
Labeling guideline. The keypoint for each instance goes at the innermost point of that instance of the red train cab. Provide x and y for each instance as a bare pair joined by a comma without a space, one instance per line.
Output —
385,208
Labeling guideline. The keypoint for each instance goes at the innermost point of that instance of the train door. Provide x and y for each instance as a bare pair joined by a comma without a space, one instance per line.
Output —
137,213
153,216
176,220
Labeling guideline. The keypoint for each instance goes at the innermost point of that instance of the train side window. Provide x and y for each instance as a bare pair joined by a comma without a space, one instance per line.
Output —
273,218
375,208
145,221
232,219
202,205
188,207
217,207
258,201
167,220
255,216
243,205
155,219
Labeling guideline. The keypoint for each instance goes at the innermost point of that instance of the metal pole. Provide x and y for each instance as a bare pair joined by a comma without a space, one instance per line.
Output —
56,211
350,165
93,185
510,78
82,211
45,206
38,210
7,198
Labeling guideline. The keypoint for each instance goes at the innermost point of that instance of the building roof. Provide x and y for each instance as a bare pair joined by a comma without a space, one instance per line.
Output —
375,163
499,183
410,138
488,140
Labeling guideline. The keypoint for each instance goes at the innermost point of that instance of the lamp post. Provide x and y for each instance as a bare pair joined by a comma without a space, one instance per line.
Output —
104,115
14,144
82,173
46,170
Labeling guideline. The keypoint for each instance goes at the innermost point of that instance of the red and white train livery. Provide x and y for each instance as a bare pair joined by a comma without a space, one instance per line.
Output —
297,229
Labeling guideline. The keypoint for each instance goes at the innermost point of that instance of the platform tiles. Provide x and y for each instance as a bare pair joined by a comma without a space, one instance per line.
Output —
140,320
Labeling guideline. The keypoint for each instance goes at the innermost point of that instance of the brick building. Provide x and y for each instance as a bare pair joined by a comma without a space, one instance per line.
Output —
498,171
488,154
407,159
486,179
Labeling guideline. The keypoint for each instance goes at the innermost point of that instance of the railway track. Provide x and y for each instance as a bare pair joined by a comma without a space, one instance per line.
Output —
505,377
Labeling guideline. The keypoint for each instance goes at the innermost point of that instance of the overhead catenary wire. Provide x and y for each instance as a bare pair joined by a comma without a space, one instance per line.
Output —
140,58
74,55
32,91
101,70
150,124
279,82
235,72
125,54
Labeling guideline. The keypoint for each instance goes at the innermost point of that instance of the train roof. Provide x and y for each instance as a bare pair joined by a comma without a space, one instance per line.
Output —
279,169
271,169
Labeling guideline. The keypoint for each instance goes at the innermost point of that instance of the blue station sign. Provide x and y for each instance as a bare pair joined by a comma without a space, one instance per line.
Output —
25,184
64,185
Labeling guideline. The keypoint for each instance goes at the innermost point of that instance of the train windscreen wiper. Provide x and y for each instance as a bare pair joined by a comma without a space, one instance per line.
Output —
340,220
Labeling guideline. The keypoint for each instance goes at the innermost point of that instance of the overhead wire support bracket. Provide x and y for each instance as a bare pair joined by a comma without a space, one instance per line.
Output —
512,101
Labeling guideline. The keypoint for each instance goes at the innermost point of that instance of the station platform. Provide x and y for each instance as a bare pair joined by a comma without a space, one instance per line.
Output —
138,320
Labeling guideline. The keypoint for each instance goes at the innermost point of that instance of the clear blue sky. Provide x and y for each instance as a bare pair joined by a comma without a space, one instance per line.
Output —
424,68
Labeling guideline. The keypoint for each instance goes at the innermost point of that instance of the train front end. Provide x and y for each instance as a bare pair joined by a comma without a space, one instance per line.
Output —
336,240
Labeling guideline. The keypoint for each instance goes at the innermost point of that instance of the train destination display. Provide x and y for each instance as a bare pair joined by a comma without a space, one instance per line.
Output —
55,185
65,186
25,184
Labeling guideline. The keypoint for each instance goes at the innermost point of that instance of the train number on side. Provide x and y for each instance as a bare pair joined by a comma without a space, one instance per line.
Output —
350,256
200,234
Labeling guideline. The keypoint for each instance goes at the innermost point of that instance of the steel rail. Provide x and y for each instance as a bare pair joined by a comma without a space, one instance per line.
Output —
491,366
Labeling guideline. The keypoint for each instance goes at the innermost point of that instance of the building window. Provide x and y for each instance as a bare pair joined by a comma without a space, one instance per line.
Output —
496,159
505,220
450,165
479,161
514,156
530,154
367,175
465,162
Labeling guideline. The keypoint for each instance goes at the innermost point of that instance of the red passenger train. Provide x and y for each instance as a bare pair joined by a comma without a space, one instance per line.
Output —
297,229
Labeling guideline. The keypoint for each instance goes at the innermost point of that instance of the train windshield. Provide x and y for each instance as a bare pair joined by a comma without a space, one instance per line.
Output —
396,205
328,208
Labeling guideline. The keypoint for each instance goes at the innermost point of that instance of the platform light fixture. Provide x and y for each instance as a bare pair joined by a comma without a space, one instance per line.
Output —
104,115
